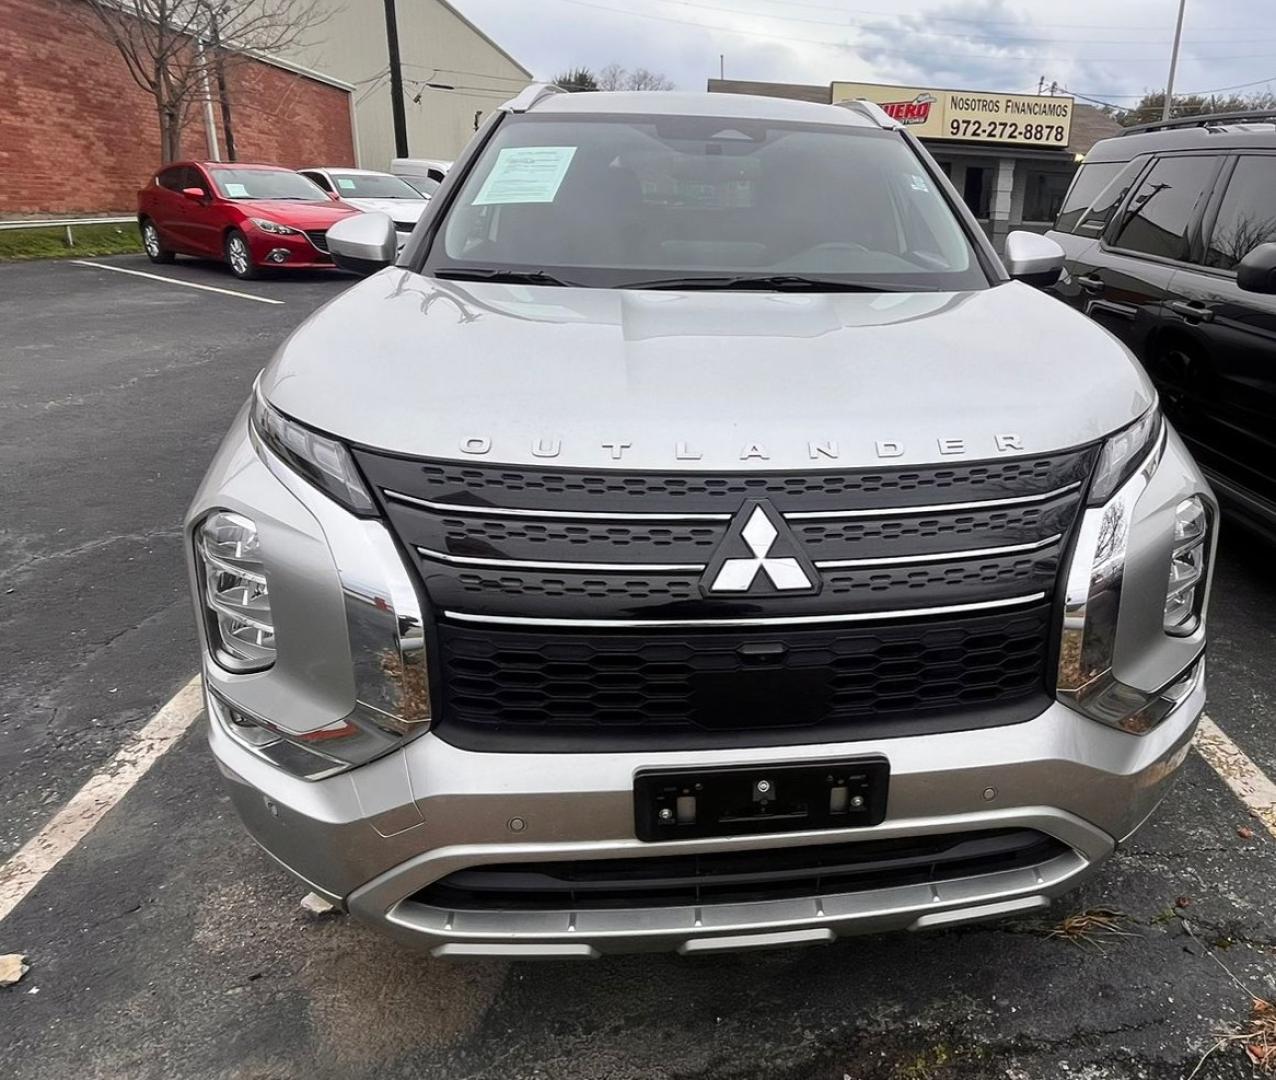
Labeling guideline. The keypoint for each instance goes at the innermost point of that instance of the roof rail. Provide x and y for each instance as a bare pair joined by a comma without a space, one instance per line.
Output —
531,96
1202,120
872,111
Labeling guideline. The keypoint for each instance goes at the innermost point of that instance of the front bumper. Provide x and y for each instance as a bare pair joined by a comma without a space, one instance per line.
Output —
296,249
372,838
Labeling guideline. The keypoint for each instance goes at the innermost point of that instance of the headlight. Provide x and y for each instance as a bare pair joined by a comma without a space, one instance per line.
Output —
1123,453
1092,606
235,595
1188,560
325,462
266,225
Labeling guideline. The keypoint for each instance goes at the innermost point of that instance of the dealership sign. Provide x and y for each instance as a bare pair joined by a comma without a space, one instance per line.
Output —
968,115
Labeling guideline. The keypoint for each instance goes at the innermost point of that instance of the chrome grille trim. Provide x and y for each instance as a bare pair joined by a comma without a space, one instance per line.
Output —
583,567
798,515
567,515
935,508
938,556
791,620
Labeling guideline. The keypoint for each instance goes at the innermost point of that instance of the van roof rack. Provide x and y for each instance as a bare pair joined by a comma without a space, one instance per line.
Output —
1203,120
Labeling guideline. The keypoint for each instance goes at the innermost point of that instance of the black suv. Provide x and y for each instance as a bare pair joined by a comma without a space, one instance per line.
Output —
1168,229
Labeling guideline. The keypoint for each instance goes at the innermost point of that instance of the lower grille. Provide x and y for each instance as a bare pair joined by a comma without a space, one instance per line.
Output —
738,877
551,690
319,239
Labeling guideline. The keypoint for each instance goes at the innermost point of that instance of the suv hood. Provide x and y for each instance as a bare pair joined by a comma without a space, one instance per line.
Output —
601,378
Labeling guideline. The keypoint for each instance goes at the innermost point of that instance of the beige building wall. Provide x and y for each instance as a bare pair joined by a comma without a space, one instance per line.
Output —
437,45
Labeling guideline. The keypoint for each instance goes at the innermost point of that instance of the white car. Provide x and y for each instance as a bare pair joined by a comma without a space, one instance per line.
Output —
366,190
424,174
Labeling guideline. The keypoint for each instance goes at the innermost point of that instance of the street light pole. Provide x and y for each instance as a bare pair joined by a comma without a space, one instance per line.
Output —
1174,61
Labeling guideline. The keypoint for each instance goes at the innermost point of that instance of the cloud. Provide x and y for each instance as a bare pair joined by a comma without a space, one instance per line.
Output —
1092,46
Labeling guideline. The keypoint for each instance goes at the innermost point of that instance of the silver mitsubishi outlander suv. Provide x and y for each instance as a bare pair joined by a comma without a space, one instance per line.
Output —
697,538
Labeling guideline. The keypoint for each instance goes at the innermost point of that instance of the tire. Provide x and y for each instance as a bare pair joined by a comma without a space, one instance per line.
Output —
239,256
152,244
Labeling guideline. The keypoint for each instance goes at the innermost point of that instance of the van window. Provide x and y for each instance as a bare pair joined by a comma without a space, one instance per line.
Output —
1247,216
1163,209
1086,186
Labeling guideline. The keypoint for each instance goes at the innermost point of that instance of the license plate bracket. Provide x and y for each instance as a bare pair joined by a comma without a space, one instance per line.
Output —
741,800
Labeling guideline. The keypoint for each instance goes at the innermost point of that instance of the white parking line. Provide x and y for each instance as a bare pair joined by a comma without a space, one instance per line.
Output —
175,281
27,867
1249,783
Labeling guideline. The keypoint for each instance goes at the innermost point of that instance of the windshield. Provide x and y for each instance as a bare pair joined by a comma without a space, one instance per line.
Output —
373,186
426,185
659,201
266,184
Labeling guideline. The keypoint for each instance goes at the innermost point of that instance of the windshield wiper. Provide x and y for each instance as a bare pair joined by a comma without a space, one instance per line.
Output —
777,282
512,277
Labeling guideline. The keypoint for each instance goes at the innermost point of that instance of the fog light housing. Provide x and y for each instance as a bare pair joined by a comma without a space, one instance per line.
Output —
234,592
1189,557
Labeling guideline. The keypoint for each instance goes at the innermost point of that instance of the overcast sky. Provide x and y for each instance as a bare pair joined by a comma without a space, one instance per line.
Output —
1102,48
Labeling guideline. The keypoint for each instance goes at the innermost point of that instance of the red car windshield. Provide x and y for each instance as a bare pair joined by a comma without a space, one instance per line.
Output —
266,184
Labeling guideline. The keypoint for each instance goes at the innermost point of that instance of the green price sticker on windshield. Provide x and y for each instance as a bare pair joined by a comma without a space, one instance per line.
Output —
526,174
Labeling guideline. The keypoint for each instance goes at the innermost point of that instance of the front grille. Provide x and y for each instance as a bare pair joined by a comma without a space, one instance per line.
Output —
738,877
573,605
524,487
552,689
319,239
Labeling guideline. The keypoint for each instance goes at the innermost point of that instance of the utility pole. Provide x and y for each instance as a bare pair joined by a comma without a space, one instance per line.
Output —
223,92
1174,61
396,81
1041,85
722,66
210,124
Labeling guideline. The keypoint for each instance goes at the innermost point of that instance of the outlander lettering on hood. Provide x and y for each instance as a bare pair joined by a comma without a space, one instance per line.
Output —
816,449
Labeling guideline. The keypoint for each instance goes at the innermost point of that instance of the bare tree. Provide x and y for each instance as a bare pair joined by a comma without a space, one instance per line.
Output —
642,79
615,77
163,44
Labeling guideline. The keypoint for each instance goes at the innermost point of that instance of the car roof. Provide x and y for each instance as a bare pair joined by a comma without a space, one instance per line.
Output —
344,169
1222,136
231,165
726,106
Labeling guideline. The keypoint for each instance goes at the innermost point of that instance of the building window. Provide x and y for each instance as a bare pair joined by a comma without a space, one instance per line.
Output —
977,190
1043,194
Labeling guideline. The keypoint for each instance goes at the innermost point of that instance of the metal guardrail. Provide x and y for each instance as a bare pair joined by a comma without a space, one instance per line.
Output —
68,224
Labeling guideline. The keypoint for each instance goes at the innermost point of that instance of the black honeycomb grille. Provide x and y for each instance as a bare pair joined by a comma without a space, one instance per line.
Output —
546,688
523,487
463,534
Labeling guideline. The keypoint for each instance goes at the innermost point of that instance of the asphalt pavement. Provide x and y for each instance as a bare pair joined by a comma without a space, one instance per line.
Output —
166,945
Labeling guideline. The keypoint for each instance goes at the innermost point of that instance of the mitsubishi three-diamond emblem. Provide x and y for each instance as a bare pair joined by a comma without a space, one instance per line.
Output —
759,555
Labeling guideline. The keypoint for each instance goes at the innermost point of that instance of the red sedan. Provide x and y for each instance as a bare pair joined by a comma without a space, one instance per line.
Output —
251,216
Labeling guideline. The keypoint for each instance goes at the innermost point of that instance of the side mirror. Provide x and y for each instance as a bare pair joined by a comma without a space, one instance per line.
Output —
195,194
1033,259
363,243
1257,271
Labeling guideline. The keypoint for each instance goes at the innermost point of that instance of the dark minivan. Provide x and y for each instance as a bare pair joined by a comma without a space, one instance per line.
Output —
1169,230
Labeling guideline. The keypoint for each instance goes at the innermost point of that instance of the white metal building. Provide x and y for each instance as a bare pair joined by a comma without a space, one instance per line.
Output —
453,73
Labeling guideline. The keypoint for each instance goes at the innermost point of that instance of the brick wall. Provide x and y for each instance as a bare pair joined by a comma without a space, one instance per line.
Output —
78,136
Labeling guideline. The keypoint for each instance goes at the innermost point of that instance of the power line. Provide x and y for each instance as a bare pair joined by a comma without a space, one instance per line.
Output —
1138,28
1185,93
914,29
909,53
